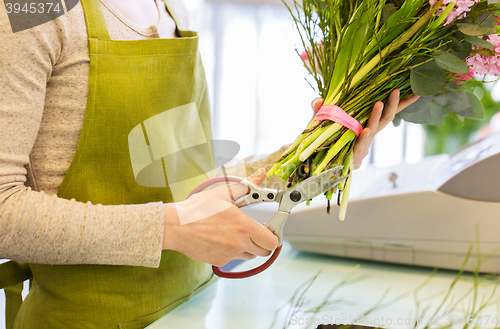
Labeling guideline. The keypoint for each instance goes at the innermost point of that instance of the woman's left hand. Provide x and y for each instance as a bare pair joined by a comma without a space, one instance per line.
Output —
380,117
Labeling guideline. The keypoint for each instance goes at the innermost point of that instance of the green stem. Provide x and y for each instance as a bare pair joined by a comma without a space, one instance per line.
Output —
311,138
317,160
292,148
300,138
438,22
273,169
345,170
334,97
276,166
289,167
319,141
331,140
341,158
329,194
345,194
332,152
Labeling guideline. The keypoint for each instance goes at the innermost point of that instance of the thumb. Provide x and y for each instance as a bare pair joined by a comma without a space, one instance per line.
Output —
258,177
316,104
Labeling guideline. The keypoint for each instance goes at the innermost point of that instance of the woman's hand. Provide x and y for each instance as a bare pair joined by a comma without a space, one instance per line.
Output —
222,232
380,117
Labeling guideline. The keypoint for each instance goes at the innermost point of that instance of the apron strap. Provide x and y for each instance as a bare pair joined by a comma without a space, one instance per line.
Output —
12,276
96,25
171,9
13,301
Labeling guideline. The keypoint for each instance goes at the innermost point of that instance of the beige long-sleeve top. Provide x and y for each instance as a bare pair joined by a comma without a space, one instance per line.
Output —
43,95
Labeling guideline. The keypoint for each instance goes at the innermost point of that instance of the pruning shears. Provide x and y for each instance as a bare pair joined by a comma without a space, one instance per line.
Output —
287,199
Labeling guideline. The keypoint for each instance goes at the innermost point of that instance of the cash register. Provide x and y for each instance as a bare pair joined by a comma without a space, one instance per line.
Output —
425,214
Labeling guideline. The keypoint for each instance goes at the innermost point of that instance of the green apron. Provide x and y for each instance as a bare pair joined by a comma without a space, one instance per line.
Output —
145,138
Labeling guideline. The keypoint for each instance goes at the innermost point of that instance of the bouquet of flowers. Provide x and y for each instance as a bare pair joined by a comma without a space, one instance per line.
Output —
358,51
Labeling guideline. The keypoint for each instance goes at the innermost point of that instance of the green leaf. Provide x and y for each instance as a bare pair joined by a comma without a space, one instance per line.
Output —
455,44
432,109
465,52
477,106
450,62
396,24
423,111
483,52
478,42
479,92
352,41
488,18
388,10
427,79
397,121
460,118
476,29
457,102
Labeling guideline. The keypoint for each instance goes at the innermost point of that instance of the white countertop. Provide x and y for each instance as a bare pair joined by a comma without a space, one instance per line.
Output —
253,302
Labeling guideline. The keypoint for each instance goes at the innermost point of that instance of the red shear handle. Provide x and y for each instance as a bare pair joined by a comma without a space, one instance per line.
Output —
217,270
215,180
249,273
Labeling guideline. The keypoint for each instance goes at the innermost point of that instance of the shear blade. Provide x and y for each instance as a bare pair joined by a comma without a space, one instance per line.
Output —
319,184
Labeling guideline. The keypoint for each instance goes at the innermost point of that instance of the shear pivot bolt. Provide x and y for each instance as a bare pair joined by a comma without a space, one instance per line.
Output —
270,196
255,196
295,196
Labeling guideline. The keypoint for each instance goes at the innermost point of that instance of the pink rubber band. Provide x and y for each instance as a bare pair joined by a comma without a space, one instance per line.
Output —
336,114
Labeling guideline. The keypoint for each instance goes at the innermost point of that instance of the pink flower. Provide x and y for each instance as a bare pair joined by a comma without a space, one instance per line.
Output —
305,58
432,2
463,6
464,77
483,64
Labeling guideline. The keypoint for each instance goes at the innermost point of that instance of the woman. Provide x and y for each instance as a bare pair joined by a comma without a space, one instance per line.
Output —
85,106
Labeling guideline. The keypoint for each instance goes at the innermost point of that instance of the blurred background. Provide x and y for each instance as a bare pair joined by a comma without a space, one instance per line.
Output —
261,96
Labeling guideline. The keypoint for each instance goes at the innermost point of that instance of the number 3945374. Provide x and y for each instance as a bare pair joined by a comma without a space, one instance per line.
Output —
33,8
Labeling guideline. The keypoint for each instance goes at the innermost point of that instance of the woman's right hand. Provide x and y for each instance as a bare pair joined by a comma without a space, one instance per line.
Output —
222,232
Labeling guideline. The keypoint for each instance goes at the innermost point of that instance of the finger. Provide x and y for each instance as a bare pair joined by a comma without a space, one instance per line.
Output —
365,153
367,145
360,146
407,102
248,256
262,237
366,137
257,178
375,116
390,109
374,123
316,104
256,250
